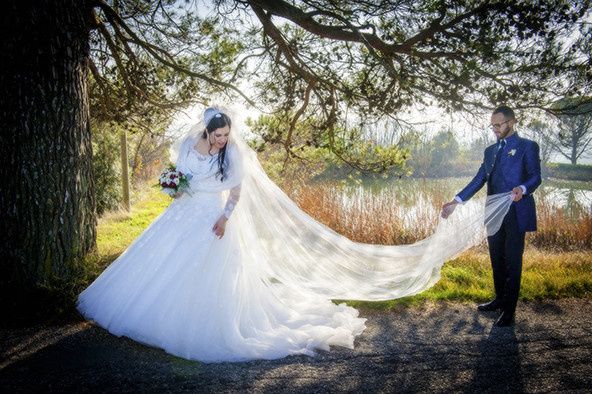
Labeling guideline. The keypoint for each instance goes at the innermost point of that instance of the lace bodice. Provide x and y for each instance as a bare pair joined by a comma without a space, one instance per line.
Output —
203,170
199,166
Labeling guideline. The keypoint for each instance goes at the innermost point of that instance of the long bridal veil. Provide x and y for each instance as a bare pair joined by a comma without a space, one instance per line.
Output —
282,245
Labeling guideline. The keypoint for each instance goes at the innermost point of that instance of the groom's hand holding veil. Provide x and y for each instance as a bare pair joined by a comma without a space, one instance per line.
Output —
517,193
448,208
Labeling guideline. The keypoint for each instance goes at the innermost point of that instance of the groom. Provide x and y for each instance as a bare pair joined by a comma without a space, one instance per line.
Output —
511,164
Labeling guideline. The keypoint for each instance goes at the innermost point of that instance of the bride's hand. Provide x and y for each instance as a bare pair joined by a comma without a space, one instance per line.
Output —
448,208
220,226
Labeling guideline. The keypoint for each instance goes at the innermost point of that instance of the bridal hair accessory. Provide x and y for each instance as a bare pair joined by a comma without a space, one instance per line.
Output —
210,113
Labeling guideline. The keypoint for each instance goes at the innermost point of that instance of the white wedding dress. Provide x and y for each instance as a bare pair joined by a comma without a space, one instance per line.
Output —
264,290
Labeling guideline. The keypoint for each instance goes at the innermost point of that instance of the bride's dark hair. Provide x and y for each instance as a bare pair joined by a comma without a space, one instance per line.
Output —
219,120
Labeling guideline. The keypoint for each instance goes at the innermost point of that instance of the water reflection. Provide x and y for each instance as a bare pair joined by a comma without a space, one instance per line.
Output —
575,199
421,198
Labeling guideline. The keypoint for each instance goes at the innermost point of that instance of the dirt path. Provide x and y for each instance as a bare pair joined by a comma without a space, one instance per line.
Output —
442,348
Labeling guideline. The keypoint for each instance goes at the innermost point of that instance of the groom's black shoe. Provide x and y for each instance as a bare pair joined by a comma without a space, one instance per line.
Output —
490,306
506,319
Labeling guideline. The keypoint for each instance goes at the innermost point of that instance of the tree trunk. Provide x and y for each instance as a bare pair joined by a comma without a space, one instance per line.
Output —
47,197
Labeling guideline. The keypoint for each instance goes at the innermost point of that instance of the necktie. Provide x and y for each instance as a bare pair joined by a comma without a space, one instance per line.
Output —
500,149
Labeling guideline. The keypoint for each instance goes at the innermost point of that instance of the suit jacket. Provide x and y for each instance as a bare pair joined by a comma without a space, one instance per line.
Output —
520,165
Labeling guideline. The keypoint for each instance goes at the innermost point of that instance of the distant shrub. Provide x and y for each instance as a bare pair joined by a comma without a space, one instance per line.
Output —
578,172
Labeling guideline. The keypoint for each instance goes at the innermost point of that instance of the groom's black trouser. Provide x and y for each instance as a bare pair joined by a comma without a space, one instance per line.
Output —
505,250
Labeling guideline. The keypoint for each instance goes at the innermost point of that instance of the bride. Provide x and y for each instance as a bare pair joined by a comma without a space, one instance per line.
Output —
217,279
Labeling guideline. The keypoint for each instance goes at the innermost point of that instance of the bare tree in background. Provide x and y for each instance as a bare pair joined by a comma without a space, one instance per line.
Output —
542,132
573,137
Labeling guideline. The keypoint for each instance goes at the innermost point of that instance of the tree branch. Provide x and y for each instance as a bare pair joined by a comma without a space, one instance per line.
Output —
288,141
158,53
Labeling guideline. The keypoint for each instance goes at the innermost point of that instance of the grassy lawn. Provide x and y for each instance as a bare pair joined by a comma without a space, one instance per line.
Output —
116,230
468,278
546,274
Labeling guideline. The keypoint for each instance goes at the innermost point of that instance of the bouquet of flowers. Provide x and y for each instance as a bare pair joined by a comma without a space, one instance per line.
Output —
174,181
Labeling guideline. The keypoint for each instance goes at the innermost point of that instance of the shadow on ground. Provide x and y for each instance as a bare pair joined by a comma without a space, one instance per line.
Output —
439,347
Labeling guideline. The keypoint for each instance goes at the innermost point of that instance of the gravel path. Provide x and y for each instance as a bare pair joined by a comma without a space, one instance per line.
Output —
437,348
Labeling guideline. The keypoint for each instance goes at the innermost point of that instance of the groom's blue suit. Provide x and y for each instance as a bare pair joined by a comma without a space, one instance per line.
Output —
519,164
504,168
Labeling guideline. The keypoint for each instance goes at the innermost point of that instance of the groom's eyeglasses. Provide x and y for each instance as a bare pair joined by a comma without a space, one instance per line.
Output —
497,126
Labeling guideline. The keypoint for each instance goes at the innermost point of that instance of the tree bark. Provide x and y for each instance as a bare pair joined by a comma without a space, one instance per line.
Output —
47,196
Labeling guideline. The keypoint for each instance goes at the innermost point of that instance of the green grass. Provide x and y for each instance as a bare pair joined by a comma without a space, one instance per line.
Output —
468,278
546,274
116,230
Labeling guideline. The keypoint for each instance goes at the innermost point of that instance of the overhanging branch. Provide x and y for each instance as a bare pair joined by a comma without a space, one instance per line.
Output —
162,55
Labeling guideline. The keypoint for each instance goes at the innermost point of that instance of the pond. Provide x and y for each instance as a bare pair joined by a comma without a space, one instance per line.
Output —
574,197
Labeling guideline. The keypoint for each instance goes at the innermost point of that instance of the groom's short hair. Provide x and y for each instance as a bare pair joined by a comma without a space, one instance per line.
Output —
506,111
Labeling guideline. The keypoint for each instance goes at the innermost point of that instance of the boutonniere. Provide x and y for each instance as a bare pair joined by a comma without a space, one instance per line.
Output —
512,152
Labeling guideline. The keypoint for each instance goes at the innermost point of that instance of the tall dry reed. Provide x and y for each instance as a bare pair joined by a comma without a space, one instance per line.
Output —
381,219
559,229
367,218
